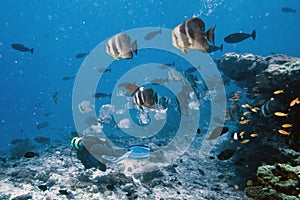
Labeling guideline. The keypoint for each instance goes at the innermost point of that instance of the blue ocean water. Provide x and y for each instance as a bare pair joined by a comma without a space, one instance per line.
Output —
58,30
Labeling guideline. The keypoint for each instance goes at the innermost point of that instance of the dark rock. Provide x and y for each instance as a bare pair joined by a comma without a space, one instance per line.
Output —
64,192
220,177
171,169
147,177
42,175
130,188
226,154
201,171
111,181
5,196
241,67
110,187
23,197
83,177
51,182
42,187
22,176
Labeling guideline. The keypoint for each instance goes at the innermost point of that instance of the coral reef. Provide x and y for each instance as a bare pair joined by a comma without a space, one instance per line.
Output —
280,181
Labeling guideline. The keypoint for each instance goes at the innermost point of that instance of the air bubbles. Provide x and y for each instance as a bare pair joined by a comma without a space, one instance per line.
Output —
50,17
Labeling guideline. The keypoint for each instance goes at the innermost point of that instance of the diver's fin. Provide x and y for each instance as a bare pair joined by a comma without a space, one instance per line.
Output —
211,35
138,151
31,50
113,159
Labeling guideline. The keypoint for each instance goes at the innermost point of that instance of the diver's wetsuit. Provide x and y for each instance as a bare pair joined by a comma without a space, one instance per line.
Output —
88,160
96,152
86,157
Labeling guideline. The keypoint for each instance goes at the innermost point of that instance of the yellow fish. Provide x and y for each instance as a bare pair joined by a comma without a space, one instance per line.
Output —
286,125
281,114
245,141
295,101
278,92
254,135
241,133
244,121
246,106
246,113
283,132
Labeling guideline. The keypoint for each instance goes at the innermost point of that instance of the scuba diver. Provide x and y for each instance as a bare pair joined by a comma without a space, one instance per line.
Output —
97,152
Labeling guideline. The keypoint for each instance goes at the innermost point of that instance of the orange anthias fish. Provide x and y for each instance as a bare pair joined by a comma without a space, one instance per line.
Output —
283,132
281,114
255,109
287,125
295,101
246,106
245,141
244,121
242,133
246,113
278,92
254,135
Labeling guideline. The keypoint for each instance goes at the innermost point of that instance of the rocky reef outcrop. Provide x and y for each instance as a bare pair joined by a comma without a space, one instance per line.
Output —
271,109
280,181
272,87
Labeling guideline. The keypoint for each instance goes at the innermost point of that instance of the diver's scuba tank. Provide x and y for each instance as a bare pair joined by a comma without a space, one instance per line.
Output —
77,143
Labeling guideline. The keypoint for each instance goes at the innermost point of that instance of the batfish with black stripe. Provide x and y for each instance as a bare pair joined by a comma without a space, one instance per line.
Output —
119,46
191,35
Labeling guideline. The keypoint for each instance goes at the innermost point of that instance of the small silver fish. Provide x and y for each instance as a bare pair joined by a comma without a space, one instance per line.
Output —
103,70
166,66
40,125
56,98
100,95
159,81
213,48
66,78
151,35
82,55
287,10
21,47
